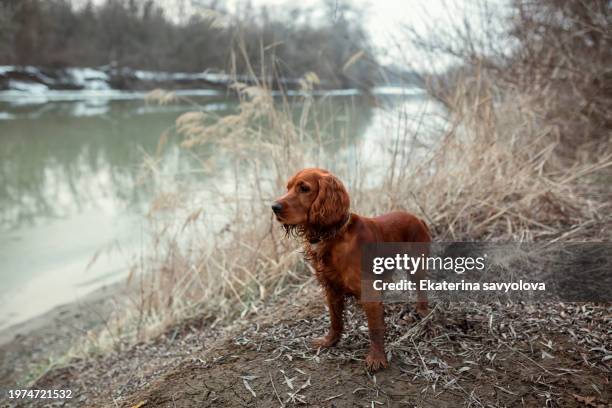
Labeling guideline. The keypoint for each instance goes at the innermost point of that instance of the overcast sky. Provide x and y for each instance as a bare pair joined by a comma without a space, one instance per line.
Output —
385,18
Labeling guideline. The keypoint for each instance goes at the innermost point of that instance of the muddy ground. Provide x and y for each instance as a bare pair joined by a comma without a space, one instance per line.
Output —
30,348
460,355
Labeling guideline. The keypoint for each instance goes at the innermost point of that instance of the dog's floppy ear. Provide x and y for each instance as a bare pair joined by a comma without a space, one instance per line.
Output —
331,205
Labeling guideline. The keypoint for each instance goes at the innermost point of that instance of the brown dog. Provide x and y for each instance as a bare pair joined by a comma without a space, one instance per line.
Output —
316,207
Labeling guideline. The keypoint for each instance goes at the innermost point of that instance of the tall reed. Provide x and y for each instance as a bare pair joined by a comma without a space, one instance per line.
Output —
495,171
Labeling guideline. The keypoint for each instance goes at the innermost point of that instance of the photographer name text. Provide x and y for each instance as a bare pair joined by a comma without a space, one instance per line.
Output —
429,285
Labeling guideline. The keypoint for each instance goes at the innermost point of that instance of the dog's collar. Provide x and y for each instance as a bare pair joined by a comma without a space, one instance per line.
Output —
318,239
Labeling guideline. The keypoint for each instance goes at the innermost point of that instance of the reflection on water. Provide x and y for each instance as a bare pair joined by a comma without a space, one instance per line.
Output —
69,187
56,163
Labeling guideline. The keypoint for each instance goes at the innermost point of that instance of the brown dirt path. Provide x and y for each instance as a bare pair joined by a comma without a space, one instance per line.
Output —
472,355
456,360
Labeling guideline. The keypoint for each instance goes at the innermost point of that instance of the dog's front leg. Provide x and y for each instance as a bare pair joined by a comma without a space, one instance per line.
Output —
335,304
376,358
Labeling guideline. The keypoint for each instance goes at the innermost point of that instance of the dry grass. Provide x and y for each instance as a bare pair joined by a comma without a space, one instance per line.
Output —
494,175
497,176
499,171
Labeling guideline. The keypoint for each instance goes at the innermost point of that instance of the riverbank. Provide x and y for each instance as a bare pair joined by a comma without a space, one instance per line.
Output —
74,164
40,80
500,355
478,354
33,86
33,347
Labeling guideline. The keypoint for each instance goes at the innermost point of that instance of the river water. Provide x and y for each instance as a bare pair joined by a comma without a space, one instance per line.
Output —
70,191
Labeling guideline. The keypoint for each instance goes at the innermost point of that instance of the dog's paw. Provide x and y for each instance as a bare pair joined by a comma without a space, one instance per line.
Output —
376,360
325,342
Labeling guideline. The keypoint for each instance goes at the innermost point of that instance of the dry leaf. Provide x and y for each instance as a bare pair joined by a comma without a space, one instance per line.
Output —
588,401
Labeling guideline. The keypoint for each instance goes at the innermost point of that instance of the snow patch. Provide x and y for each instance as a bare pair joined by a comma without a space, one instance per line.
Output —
89,78
6,68
16,97
397,90
186,76
28,87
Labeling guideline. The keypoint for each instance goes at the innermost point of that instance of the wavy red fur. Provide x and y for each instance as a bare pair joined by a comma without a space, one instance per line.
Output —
317,208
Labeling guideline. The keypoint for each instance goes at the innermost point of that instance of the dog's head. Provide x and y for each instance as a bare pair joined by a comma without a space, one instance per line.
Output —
315,199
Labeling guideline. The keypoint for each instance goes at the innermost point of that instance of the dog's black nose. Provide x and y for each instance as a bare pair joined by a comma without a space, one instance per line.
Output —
276,207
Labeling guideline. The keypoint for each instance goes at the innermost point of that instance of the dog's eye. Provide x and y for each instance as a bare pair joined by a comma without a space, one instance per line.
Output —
304,188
